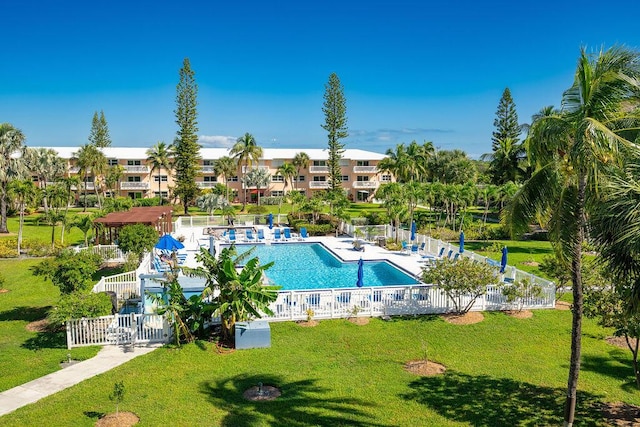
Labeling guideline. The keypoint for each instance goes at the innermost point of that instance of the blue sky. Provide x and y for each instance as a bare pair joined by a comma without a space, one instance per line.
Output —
411,70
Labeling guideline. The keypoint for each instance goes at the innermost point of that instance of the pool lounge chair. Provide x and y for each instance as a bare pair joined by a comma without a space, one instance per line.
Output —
440,253
287,234
405,247
276,234
414,249
232,235
260,234
303,233
422,246
248,236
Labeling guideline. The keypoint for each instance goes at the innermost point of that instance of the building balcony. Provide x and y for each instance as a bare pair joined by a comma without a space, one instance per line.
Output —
74,169
134,185
207,169
318,169
208,184
365,169
315,185
136,169
88,186
365,184
246,169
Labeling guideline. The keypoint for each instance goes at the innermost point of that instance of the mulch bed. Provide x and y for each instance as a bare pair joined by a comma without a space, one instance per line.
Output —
308,323
621,414
563,305
41,325
266,392
359,320
4,291
121,419
522,314
468,318
424,367
620,342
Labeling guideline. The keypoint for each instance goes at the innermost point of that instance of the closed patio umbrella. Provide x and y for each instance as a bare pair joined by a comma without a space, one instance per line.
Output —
503,261
413,231
360,282
270,219
461,241
167,242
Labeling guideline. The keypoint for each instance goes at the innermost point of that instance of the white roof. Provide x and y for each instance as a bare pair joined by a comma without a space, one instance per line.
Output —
140,153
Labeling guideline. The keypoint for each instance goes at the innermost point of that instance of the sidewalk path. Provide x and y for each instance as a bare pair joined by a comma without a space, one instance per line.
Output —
107,358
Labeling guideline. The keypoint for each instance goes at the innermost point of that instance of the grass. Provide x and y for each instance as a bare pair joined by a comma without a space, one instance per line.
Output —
342,374
522,254
26,355
33,229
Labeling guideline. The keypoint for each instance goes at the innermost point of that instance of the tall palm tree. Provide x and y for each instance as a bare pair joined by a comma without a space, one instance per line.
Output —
12,165
226,167
288,171
571,150
507,162
24,192
300,161
246,152
396,163
46,165
159,157
91,162
258,178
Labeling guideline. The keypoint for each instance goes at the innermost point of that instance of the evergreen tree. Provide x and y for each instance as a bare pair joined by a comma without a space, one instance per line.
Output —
335,109
186,147
508,153
99,135
506,121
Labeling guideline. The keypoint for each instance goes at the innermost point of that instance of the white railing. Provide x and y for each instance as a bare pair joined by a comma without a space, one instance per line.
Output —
109,253
365,184
318,169
134,185
246,169
117,329
207,184
207,169
136,169
365,169
124,285
318,184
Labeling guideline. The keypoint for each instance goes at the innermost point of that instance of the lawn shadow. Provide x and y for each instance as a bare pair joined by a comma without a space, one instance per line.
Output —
487,401
616,366
414,318
46,340
302,403
27,314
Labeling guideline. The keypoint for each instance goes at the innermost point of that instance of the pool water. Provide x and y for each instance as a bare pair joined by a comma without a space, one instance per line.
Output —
310,266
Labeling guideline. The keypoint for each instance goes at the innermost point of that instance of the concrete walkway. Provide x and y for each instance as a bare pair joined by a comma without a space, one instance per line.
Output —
107,358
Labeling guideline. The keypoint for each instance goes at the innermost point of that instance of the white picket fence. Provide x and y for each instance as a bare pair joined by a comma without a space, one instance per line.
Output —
118,330
110,253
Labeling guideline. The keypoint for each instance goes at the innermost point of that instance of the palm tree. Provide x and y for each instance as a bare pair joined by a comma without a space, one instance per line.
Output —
226,167
46,165
91,162
395,202
159,157
507,163
396,163
300,161
12,165
246,152
84,223
258,178
24,192
113,177
571,150
288,171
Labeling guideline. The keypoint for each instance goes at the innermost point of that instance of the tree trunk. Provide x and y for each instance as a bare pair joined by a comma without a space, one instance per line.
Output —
84,207
3,208
159,187
576,324
20,228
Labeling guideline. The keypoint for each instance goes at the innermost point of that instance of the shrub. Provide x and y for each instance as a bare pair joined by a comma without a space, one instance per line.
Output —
70,271
257,210
271,200
137,238
359,221
77,305
8,248
151,201
519,290
132,261
376,218
91,202
319,229
38,248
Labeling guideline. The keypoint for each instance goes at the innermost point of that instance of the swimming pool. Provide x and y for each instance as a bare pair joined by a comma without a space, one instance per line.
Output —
300,266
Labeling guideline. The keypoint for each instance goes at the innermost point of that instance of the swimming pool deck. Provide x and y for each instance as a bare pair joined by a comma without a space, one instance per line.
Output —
341,246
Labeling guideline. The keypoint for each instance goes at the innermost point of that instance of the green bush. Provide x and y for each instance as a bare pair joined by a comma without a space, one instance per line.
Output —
137,238
319,229
38,248
377,218
70,271
271,200
359,221
9,248
151,201
92,200
77,305
257,210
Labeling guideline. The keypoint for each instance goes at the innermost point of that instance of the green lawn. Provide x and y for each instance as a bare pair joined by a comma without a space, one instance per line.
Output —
26,355
34,229
502,371
523,254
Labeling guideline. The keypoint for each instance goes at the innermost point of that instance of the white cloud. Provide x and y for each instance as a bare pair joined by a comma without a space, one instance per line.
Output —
220,141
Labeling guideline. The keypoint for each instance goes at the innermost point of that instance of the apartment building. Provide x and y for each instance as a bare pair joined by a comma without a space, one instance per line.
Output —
360,175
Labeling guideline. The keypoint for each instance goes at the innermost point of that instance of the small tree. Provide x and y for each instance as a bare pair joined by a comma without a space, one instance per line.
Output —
519,290
70,271
79,304
137,238
117,395
463,281
84,223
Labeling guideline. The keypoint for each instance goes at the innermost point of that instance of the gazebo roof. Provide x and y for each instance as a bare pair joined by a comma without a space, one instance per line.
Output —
138,215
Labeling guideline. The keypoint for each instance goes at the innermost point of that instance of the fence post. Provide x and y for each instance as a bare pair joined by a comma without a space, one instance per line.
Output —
69,338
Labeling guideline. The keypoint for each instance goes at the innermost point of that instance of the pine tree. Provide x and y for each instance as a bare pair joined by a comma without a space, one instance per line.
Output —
99,135
187,149
506,122
334,109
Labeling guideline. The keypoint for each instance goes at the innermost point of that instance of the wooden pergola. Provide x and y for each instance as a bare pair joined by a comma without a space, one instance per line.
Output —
107,228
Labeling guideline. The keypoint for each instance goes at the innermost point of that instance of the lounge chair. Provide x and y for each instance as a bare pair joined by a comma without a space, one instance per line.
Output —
414,249
287,234
260,234
456,256
276,234
232,235
248,236
422,246
405,247
159,266
441,252
449,253
303,233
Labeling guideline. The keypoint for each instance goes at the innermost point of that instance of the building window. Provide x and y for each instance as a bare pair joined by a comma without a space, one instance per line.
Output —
112,162
135,195
233,178
362,163
134,162
210,179
361,178
298,179
386,178
277,193
277,178
163,194
276,163
345,178
163,178
208,162
319,163
319,178
133,179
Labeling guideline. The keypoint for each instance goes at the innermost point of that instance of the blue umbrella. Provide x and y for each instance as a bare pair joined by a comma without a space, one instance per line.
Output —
270,218
360,282
461,241
503,261
413,231
169,243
